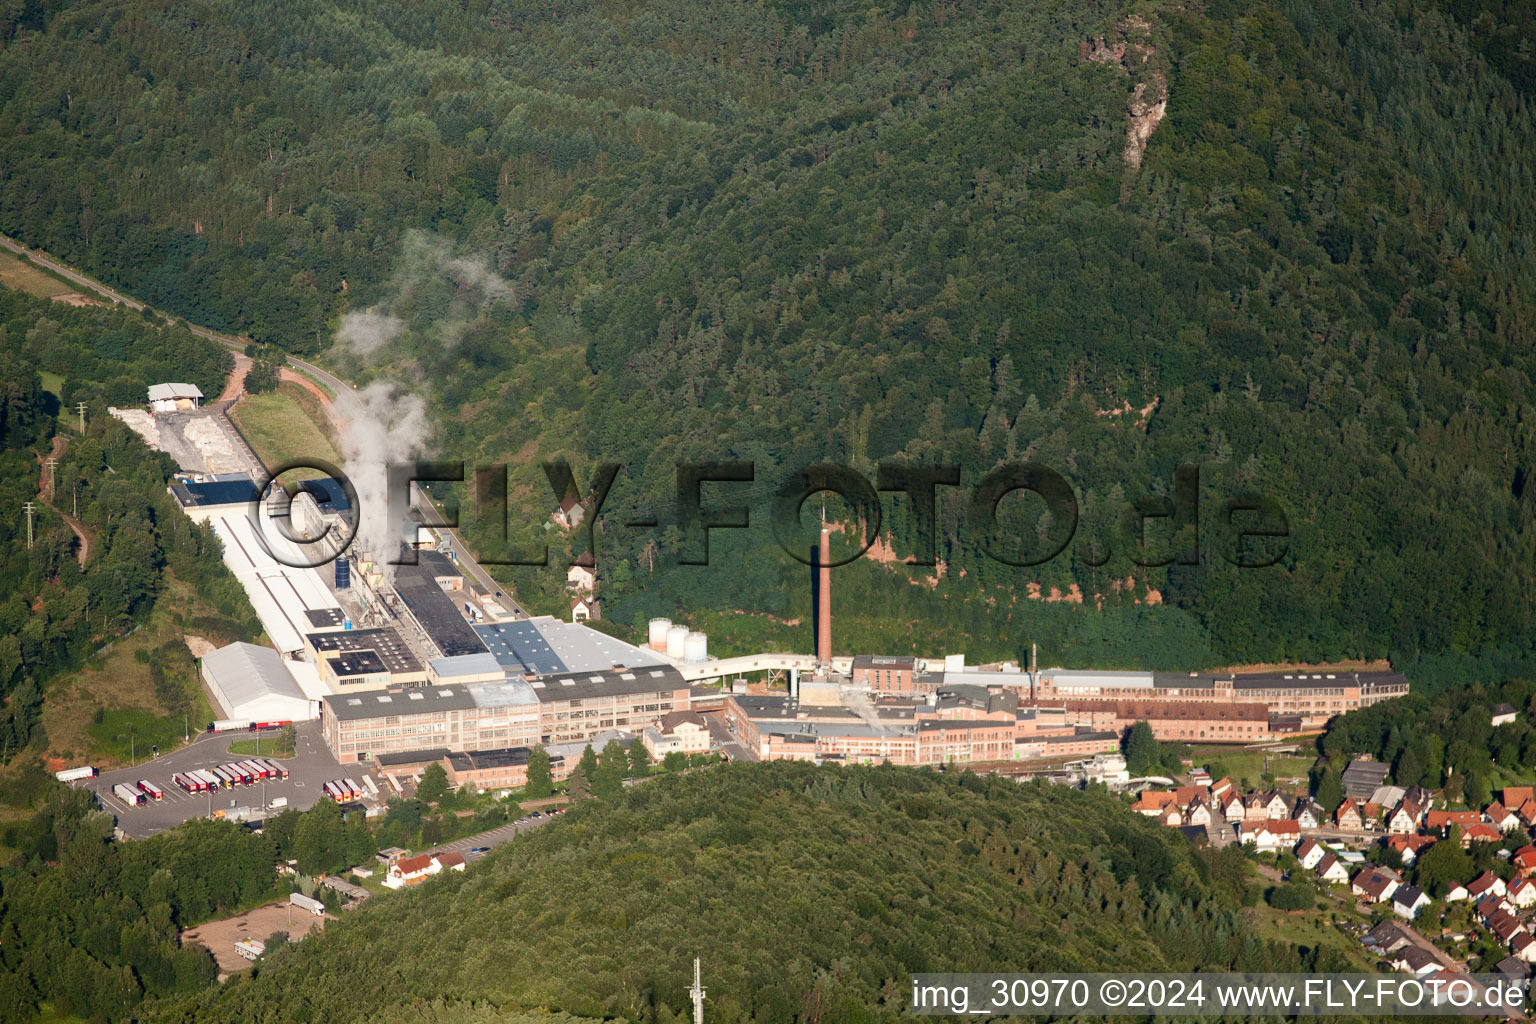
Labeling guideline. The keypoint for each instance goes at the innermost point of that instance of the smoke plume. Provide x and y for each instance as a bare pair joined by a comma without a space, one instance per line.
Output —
388,425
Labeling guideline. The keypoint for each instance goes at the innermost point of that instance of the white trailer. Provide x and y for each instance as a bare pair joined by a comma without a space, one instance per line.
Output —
279,801
75,774
128,794
314,906
209,780
227,725
353,789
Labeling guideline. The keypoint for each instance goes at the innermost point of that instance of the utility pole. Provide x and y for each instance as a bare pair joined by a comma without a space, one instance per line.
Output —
697,992
53,467
80,408
30,509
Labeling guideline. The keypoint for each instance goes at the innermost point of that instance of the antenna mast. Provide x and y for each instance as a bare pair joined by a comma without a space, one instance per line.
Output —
697,992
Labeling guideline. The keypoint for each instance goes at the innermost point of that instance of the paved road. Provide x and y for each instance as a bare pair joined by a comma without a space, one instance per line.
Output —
492,839
723,736
65,272
310,768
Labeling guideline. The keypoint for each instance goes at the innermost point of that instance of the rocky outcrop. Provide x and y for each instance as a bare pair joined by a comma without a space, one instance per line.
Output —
1131,52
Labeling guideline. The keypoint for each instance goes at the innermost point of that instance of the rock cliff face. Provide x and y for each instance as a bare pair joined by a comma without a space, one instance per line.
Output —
1133,54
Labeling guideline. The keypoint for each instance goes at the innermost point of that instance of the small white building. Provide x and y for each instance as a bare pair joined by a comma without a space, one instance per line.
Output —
1309,852
174,397
582,575
586,608
680,731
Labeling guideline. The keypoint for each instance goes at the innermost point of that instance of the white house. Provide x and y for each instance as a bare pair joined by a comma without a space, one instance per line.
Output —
1504,714
415,870
1408,900
1521,892
1232,807
569,513
582,575
1199,813
681,731
1331,870
586,608
1309,852
1457,893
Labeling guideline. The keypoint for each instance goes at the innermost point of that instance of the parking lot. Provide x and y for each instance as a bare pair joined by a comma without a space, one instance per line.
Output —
490,840
308,770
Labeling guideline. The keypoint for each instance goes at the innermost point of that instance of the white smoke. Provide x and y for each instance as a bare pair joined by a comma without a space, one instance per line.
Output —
392,426
367,331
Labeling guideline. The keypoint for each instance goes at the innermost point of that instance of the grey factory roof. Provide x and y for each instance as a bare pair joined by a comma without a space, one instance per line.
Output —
465,665
419,700
612,683
320,618
505,757
384,642
1307,680
502,694
208,493
436,612
330,496
883,661
409,757
546,646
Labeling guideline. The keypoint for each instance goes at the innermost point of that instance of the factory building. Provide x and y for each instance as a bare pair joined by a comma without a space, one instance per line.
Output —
364,659
252,683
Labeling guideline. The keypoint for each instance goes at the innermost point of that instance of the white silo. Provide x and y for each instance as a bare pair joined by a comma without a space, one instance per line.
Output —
658,634
696,647
677,638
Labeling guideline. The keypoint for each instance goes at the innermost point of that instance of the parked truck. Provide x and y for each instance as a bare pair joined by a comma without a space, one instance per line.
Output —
310,904
227,725
75,774
151,790
128,793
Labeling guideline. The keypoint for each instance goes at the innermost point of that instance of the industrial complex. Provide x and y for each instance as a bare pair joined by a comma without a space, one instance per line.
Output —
405,665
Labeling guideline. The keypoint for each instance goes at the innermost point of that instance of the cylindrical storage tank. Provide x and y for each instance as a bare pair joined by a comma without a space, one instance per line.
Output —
343,574
658,633
695,647
677,637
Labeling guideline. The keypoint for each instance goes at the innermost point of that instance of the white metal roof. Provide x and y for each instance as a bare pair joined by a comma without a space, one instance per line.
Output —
169,392
280,594
253,681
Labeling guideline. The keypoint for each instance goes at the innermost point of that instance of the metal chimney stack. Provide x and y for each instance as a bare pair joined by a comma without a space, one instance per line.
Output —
824,600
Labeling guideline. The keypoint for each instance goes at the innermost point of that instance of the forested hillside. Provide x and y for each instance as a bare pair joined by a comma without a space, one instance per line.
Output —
811,894
793,231
70,594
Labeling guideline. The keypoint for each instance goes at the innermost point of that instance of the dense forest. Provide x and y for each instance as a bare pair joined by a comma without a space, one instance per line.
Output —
1447,740
57,608
950,233
812,894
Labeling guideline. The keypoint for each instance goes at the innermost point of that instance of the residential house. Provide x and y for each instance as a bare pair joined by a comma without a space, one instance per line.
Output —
1309,852
1152,802
586,608
1171,816
1501,817
1480,833
1374,884
1231,805
1223,788
1517,796
1514,970
1408,900
1504,714
1524,861
1439,822
1421,796
1405,818
1527,813
1455,894
1347,817
1199,813
415,870
1505,926
1485,885
569,514
1415,961
1278,805
686,732
1521,893
1308,813
1523,946
1332,870
1409,847
1387,937
1257,807
582,575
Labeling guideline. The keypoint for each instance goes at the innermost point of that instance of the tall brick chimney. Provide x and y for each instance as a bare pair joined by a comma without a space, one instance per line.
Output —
824,599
